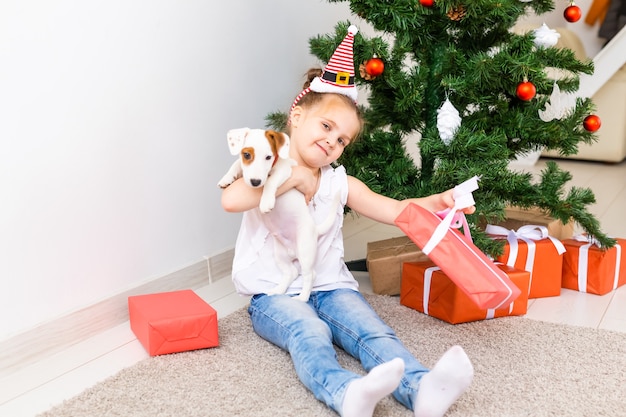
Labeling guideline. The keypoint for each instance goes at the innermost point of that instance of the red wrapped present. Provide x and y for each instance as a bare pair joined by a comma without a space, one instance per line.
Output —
427,289
589,268
531,248
172,322
475,274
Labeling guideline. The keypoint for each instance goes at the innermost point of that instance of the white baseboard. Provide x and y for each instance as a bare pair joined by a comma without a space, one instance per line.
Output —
52,337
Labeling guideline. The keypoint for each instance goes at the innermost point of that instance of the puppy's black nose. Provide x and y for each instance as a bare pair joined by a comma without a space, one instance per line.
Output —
255,182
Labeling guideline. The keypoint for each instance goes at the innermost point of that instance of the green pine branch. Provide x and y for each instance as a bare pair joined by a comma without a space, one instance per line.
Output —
467,53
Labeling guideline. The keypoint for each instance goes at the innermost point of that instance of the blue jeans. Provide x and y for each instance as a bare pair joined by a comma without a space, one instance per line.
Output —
308,330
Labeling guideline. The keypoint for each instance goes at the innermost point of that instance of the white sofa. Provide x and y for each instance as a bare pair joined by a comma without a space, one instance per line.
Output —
610,103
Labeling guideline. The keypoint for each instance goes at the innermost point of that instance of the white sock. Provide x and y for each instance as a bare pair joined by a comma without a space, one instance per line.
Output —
363,394
444,384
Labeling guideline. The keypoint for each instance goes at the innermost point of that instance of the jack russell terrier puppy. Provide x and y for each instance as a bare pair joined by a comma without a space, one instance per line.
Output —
264,162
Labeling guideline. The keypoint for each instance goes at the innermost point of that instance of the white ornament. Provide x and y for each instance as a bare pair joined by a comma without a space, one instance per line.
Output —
546,37
448,121
493,51
560,105
471,109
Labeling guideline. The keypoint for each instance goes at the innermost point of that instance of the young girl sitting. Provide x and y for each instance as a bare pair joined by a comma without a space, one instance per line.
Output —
323,120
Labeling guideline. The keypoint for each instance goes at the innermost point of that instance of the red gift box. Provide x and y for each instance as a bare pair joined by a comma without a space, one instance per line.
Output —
531,248
172,322
475,274
589,268
427,289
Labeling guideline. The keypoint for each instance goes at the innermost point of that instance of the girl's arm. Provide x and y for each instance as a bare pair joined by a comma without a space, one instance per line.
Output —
239,196
385,210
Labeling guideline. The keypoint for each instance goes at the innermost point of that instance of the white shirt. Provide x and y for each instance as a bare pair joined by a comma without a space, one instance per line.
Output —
254,267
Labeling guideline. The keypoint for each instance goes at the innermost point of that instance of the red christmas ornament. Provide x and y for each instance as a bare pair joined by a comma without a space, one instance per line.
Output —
526,90
427,3
572,13
374,67
592,123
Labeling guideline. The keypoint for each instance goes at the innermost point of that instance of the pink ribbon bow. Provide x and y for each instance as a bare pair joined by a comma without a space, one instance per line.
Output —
453,217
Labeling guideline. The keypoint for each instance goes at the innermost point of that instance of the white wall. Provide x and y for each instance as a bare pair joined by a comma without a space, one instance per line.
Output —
112,136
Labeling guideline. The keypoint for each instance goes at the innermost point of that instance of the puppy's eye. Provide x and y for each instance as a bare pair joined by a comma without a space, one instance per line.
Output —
247,156
268,157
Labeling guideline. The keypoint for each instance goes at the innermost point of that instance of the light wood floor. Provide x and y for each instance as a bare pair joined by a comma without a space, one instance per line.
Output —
39,386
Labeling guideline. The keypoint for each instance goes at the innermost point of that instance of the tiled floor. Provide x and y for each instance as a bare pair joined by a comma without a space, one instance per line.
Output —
37,387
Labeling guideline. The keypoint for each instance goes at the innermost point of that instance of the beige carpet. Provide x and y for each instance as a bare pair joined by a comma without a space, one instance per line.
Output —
523,368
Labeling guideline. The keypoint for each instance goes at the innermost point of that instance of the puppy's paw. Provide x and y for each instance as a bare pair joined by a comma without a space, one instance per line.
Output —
226,181
267,203
278,290
302,297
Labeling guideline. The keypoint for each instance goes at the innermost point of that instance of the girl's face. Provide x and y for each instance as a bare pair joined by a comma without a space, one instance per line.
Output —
319,133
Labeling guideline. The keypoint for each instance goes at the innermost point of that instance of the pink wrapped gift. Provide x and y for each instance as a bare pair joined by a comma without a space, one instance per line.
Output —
488,286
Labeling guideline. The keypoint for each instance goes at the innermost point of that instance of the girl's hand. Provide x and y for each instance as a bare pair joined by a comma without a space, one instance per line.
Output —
447,201
239,197
442,201
303,180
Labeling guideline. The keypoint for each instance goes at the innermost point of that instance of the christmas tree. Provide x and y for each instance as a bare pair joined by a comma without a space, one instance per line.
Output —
453,75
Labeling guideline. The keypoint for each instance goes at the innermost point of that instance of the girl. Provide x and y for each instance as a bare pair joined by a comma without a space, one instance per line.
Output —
322,124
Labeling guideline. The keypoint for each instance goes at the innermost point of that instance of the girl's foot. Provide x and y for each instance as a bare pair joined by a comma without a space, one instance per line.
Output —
364,393
444,384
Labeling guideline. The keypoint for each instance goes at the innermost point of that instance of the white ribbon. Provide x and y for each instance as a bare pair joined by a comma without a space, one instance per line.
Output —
583,260
525,233
618,256
587,238
583,266
529,234
428,278
491,312
463,198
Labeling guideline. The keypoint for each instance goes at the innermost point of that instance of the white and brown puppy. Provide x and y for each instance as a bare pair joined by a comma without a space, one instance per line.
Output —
264,162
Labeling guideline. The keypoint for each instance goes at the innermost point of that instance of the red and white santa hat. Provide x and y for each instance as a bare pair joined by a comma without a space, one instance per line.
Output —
338,76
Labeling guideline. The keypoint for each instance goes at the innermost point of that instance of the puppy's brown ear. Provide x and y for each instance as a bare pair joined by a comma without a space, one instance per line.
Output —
280,143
